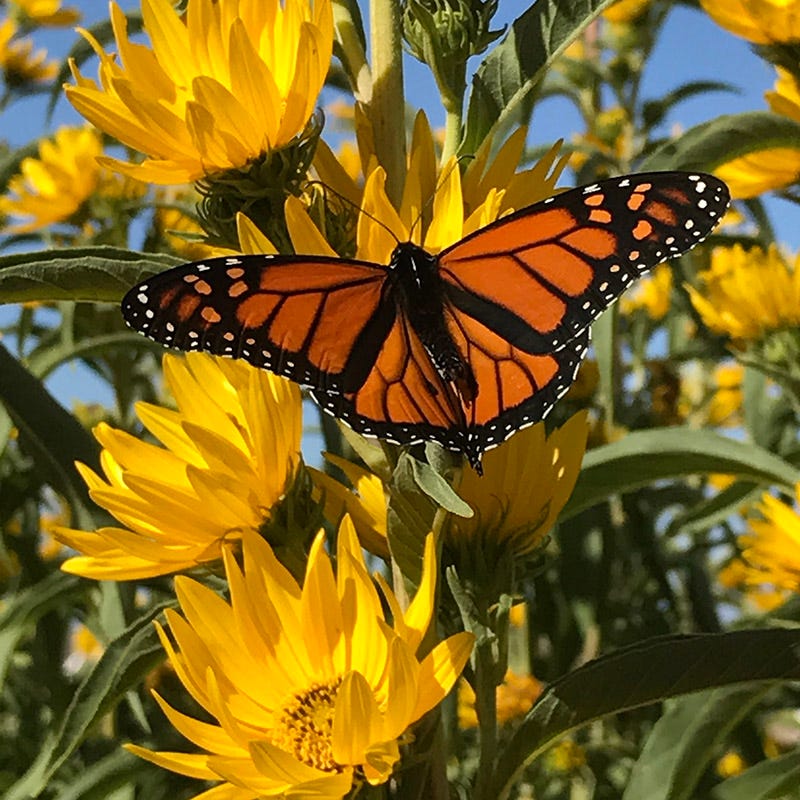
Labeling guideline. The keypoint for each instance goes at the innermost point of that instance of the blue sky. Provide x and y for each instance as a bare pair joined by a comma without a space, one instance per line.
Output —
691,47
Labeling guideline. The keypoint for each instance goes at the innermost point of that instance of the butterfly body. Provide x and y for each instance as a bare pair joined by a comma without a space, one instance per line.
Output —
463,347
419,293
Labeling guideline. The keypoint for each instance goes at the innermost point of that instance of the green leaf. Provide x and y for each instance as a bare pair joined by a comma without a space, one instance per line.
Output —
506,77
44,360
685,739
654,111
22,611
122,666
716,509
642,457
409,519
82,274
49,433
97,781
439,490
776,779
713,143
647,672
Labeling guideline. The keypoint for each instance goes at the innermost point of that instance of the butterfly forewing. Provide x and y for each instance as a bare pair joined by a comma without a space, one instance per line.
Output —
539,276
301,318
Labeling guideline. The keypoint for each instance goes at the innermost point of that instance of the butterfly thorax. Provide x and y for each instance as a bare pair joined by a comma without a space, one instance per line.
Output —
419,291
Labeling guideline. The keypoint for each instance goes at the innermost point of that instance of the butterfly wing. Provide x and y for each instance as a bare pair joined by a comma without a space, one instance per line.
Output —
515,388
542,274
318,321
404,399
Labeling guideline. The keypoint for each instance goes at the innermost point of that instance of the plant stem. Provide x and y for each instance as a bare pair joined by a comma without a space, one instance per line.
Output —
387,109
452,133
486,709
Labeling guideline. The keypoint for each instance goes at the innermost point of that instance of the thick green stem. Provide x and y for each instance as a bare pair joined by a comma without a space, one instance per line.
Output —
387,109
452,133
486,709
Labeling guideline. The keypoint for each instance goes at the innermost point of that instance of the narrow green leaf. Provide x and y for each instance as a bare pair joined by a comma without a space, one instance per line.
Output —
642,457
603,334
647,672
506,77
439,490
88,274
716,509
22,611
99,780
122,666
52,436
409,518
706,146
654,111
776,779
685,739
44,360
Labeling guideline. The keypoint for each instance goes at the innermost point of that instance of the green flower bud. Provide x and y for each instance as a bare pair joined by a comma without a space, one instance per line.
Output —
444,34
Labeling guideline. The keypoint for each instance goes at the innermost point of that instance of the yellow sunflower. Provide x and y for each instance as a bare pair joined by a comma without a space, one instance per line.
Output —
526,482
512,513
345,683
626,11
47,13
771,550
231,450
758,21
220,88
652,294
748,294
20,65
54,187
514,698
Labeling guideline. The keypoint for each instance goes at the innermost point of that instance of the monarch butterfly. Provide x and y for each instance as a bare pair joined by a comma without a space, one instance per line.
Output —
463,348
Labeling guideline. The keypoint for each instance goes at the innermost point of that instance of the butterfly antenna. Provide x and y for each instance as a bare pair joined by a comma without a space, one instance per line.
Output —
429,202
358,209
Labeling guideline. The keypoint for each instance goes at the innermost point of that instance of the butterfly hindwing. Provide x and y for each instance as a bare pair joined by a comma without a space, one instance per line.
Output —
542,274
318,321
404,399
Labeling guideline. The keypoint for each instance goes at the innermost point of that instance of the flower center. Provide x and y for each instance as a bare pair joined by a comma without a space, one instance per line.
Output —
305,726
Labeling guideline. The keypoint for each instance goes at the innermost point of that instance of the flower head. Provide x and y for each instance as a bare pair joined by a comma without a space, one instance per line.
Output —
652,294
45,12
439,206
527,481
234,80
761,171
54,187
726,403
758,21
624,11
748,294
20,65
344,682
230,453
514,698
771,550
